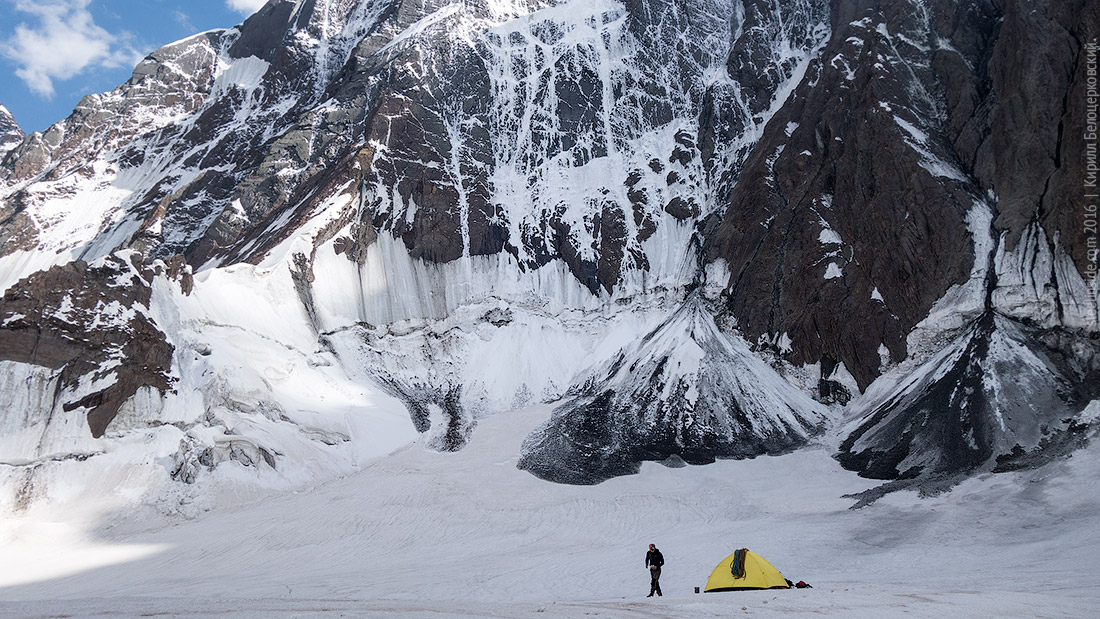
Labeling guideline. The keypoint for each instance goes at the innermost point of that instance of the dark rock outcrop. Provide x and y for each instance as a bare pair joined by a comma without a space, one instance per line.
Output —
1027,133
91,323
852,164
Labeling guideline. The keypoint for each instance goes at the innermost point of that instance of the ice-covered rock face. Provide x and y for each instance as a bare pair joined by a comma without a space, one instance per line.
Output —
570,135
590,134
565,131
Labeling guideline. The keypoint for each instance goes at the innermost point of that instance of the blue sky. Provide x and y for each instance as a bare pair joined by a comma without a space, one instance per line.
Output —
53,52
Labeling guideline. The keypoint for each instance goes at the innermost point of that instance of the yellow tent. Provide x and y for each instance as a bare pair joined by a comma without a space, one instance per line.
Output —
745,570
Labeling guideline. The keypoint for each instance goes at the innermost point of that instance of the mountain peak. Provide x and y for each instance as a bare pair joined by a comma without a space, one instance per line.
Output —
10,133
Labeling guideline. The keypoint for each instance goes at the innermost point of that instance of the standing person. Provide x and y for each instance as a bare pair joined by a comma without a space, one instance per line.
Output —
654,560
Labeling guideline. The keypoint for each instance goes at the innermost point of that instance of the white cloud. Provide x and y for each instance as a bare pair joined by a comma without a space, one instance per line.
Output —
245,7
62,43
183,20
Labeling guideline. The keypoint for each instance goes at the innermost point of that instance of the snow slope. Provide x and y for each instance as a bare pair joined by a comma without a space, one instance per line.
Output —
422,533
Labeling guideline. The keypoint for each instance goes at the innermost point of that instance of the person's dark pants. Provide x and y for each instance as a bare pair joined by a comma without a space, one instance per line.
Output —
654,580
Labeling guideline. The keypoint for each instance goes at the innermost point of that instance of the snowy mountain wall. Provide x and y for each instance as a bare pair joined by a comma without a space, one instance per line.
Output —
310,237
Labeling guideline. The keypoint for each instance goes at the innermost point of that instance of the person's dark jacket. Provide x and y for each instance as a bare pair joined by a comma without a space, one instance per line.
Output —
654,557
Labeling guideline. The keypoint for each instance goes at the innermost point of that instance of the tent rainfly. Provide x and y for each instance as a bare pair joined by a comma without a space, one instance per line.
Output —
745,570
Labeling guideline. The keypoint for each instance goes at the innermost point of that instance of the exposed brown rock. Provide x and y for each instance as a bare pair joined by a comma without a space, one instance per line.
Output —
176,268
89,322
354,247
17,230
849,166
1033,153
902,125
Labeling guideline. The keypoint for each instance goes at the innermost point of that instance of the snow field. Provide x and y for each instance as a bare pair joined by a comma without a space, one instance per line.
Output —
426,534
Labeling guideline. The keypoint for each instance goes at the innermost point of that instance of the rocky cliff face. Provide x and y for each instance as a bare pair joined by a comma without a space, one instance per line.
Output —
548,138
864,193
884,189
854,184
